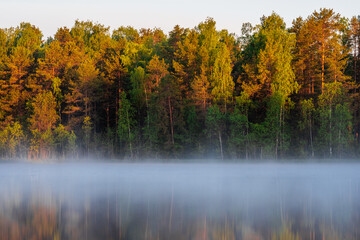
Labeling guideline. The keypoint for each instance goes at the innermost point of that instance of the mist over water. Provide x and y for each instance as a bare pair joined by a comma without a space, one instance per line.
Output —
179,201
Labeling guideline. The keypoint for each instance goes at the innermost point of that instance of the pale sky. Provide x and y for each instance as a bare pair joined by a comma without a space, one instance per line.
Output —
49,15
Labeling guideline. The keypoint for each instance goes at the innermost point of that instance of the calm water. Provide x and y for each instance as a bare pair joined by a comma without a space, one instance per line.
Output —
179,201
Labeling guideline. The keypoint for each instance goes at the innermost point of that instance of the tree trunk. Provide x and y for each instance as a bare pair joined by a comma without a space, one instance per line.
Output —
86,103
129,134
147,113
117,109
278,133
247,138
330,139
311,138
171,122
107,117
339,144
221,147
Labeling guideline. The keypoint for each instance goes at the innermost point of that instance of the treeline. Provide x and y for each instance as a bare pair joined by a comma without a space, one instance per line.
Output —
273,92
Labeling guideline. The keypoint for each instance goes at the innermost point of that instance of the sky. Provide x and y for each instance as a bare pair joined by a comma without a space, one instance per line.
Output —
49,15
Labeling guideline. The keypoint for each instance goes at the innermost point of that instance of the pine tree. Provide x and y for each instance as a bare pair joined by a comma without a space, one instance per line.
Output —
42,124
321,55
157,69
201,90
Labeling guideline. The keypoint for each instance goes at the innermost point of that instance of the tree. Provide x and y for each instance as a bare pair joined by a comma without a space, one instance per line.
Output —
354,71
252,43
187,64
239,130
64,141
157,69
18,83
193,130
114,63
11,139
143,90
208,42
167,119
275,135
355,46
306,123
138,92
126,127
275,71
28,36
93,37
87,128
52,65
215,126
176,37
201,90
12,88
334,118
221,80
305,62
42,123
321,55
87,74
81,96
276,74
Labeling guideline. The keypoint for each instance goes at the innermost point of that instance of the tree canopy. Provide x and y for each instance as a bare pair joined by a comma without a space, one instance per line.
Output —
272,92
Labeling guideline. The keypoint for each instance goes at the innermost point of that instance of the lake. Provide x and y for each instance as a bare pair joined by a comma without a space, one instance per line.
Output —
179,201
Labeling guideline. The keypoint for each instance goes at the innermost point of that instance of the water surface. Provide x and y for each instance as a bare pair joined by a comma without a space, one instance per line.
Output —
179,201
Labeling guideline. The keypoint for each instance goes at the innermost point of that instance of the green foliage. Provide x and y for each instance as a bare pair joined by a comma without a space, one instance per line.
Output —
306,124
222,82
57,92
215,126
71,144
166,114
137,92
307,108
276,139
126,126
87,128
239,134
200,87
193,132
11,139
64,141
257,140
275,59
335,121
44,114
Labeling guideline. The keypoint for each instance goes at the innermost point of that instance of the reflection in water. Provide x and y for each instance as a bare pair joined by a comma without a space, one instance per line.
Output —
180,201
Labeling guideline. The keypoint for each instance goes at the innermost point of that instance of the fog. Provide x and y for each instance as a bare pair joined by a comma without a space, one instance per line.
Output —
180,201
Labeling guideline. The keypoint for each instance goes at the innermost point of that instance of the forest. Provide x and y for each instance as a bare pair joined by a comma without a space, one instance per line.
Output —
274,92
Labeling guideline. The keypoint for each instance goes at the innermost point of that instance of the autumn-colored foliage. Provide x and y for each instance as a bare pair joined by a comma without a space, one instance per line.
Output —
146,93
